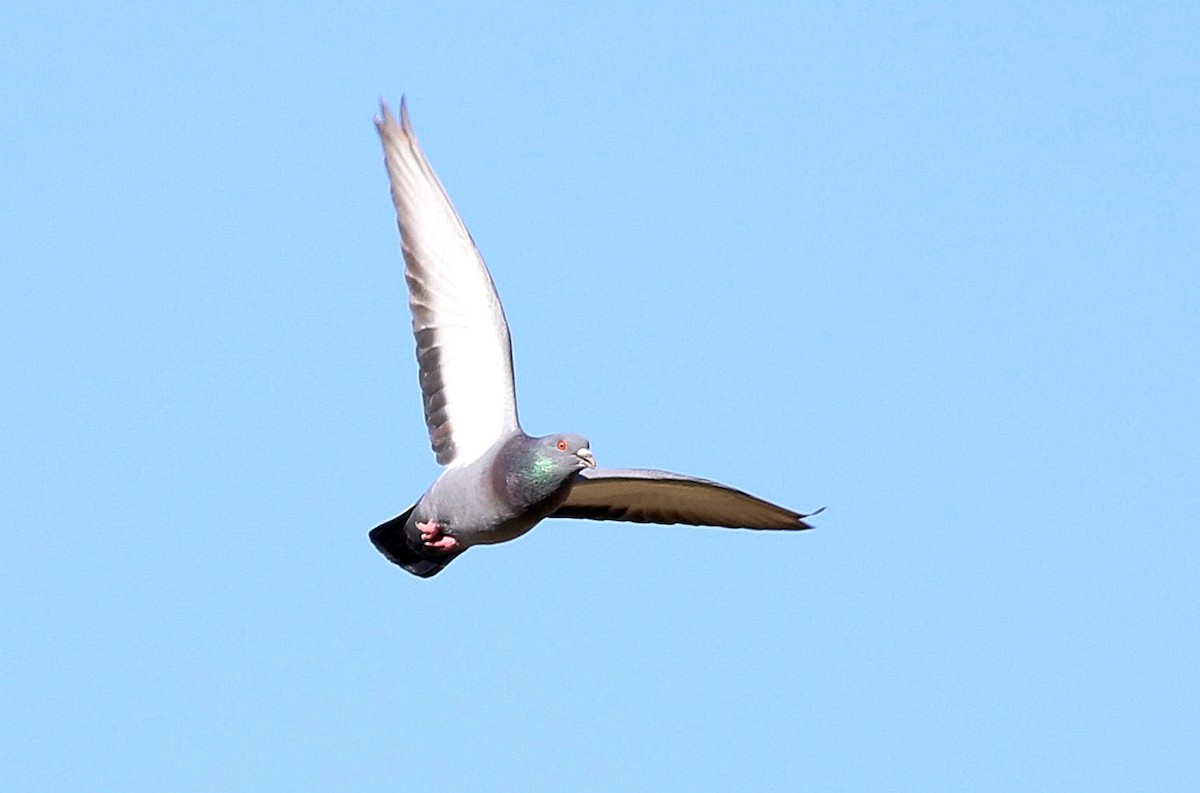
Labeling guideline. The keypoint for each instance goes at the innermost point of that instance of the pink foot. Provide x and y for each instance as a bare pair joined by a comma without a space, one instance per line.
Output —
445,543
429,530
432,536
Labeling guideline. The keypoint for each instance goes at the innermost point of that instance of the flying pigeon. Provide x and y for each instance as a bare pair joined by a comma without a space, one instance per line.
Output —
498,482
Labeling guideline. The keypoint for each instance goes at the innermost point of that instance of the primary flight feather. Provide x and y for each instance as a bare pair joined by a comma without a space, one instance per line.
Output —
499,482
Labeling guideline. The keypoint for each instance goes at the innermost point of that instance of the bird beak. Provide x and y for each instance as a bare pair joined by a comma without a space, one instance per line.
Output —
586,456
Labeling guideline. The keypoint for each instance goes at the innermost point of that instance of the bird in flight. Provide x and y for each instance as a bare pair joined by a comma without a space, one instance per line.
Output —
498,482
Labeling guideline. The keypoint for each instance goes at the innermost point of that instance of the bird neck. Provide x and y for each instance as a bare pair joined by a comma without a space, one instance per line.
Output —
529,476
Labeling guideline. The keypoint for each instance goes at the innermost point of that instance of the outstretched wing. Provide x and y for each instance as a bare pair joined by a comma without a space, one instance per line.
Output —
463,349
647,496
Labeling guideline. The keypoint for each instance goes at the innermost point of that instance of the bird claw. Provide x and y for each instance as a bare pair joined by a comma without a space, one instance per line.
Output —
433,536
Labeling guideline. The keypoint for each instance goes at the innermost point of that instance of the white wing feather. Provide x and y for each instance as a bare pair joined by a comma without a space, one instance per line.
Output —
463,348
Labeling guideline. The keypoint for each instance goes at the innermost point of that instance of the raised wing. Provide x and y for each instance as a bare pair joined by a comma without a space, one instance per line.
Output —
463,349
647,496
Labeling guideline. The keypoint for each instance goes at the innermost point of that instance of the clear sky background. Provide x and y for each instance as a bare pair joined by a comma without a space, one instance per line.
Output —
935,268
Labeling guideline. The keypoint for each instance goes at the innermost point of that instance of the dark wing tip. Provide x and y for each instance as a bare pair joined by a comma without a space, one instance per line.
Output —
404,123
384,117
385,121
802,519
385,114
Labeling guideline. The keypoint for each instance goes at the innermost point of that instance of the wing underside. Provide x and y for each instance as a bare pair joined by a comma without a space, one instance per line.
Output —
649,496
463,347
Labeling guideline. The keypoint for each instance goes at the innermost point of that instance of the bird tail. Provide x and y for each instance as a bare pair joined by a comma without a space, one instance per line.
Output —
392,541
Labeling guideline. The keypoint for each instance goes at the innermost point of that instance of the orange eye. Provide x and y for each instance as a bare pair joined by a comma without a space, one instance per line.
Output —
562,446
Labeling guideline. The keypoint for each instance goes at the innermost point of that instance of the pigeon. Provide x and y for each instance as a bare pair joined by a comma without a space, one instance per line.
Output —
498,482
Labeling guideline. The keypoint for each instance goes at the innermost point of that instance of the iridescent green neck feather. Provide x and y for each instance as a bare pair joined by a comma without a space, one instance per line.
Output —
531,472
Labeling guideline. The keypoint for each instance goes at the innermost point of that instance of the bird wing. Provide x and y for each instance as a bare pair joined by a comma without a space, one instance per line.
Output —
648,496
463,349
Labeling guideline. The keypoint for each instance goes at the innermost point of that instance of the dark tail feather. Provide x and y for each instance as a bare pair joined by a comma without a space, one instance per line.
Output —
393,543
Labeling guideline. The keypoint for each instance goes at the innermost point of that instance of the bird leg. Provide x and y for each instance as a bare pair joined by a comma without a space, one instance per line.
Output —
433,537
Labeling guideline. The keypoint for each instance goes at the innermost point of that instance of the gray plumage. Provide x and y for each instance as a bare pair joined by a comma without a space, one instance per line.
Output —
499,482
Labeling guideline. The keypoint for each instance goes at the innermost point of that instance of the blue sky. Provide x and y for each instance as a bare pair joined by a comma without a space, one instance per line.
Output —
933,267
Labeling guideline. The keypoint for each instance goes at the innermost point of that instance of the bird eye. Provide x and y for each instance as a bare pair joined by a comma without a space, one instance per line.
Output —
562,445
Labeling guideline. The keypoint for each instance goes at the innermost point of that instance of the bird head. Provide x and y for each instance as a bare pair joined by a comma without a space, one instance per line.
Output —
568,451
